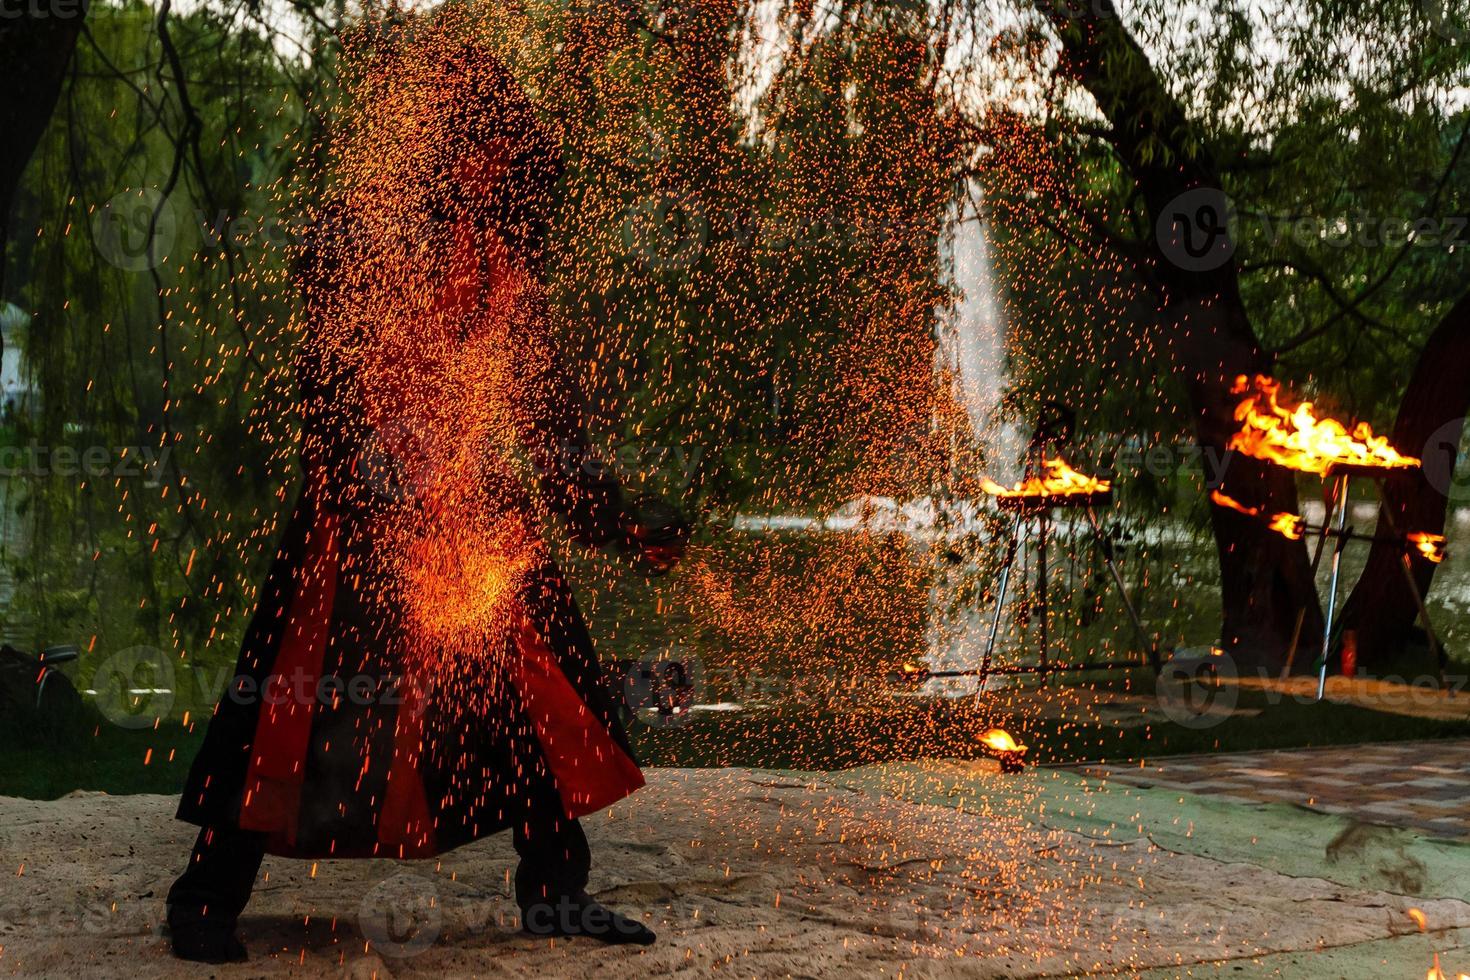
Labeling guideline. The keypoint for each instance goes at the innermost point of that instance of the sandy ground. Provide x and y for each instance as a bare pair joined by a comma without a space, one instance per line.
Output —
742,873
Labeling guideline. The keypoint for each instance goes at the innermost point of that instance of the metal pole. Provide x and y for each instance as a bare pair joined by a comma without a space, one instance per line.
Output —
1328,507
1000,603
1435,649
1341,543
1041,588
1150,648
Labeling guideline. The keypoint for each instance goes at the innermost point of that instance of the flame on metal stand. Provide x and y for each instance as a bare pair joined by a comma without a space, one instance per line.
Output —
1287,525
1060,480
1298,439
1292,526
1430,546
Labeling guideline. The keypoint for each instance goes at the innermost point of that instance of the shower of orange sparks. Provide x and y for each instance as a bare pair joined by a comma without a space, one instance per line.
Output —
1060,480
1298,439
427,335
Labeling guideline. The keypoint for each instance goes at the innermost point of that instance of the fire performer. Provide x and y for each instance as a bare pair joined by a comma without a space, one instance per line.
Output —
416,675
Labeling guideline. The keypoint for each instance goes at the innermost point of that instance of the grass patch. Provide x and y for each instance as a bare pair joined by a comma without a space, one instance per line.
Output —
94,754
947,730
120,761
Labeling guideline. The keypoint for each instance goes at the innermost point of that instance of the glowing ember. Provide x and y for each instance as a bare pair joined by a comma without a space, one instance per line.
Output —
1430,546
1060,481
1288,525
1297,439
914,673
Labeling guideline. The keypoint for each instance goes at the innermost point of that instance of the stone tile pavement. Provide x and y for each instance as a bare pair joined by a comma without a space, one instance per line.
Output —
1421,786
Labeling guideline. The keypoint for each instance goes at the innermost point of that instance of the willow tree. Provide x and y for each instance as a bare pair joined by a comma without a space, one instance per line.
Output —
153,267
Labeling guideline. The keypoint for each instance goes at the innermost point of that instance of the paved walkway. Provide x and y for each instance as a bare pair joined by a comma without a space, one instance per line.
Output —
1422,786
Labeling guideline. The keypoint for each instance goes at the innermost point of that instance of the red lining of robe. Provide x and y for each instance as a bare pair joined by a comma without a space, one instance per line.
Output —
283,729
590,769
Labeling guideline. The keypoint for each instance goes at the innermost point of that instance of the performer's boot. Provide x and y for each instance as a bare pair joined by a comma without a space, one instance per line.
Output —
205,902
551,887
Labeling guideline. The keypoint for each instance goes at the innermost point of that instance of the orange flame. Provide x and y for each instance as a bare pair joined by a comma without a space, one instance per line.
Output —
1287,525
1060,480
1431,546
1297,439
1435,972
1000,740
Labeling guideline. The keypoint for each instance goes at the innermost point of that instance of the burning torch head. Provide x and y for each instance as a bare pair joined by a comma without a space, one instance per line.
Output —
1008,752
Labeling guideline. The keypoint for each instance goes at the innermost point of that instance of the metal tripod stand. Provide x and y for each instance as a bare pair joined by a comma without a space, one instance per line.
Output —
1038,510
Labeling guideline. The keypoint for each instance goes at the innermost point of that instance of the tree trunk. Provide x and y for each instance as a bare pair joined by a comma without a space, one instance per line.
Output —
1430,423
35,48
1266,580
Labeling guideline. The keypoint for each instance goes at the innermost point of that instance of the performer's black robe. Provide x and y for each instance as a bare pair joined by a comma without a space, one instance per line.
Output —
377,768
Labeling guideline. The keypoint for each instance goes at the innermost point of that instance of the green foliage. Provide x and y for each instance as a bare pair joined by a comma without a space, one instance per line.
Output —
752,297
154,367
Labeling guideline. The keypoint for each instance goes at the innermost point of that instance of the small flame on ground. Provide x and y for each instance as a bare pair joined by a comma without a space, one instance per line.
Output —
1060,479
1000,740
1436,972
1297,439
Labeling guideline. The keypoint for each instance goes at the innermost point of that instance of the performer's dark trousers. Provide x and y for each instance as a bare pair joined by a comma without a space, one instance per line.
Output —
216,885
